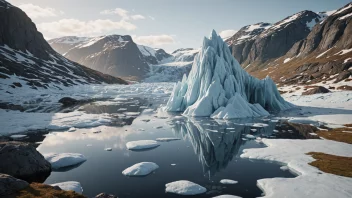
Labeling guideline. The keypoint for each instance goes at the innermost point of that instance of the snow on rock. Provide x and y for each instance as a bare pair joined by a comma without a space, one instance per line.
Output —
310,181
60,160
70,185
184,187
166,139
142,144
228,181
140,169
218,87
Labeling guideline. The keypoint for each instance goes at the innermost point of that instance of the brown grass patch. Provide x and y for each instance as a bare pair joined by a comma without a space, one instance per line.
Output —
42,190
338,134
332,164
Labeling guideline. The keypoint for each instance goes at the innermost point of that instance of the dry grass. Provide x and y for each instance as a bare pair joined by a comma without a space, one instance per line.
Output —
332,164
339,134
42,190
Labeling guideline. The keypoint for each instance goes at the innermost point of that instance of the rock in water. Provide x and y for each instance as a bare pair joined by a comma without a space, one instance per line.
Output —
67,101
217,86
23,161
10,185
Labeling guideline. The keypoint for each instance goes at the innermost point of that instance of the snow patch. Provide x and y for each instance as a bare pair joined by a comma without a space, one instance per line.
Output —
70,185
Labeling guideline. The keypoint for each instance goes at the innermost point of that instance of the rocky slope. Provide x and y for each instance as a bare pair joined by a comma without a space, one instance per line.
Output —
306,47
26,59
325,54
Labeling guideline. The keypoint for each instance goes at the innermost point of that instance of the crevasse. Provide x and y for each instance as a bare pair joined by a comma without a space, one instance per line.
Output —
218,87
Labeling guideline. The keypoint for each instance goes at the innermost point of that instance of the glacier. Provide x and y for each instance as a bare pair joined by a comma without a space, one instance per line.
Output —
218,87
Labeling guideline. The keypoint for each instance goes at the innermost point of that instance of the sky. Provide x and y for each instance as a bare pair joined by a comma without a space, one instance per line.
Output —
167,24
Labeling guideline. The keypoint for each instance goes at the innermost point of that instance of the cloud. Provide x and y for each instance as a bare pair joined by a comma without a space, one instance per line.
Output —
118,11
66,27
154,40
34,11
137,17
227,33
122,13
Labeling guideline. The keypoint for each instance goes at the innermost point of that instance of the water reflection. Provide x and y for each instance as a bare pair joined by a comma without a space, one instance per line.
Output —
216,142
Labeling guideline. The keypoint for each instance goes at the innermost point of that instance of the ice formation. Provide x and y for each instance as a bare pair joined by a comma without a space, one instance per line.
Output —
218,87
184,187
60,160
228,181
142,144
140,169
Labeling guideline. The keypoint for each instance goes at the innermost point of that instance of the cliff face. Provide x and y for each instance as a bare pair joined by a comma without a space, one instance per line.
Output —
25,56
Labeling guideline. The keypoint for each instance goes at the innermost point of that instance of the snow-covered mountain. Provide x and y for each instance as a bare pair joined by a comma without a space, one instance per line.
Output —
262,48
217,86
116,55
27,60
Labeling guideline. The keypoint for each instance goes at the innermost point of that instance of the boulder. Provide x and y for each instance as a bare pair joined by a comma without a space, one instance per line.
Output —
316,90
10,185
67,101
23,161
342,76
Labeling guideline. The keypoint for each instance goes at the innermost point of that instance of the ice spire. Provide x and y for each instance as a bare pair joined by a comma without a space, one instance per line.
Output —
217,86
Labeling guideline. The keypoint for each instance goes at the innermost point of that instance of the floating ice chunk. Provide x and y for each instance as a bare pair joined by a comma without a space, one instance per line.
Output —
70,185
142,144
173,164
244,139
259,125
89,145
108,149
184,187
60,160
131,113
18,136
72,129
166,139
140,169
254,130
122,109
249,136
275,131
228,181
227,196
284,168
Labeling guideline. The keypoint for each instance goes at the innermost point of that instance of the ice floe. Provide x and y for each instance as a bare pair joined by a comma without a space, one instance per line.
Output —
140,169
60,160
142,144
310,182
228,181
18,136
166,139
184,187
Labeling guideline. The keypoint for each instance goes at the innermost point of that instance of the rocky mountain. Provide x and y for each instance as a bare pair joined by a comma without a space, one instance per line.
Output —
290,51
116,55
325,54
26,59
